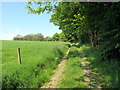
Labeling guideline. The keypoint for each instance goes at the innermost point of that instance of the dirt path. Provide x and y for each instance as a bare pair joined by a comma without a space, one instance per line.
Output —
86,71
58,74
89,76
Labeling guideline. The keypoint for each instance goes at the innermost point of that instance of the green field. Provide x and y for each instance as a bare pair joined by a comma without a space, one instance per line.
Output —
39,59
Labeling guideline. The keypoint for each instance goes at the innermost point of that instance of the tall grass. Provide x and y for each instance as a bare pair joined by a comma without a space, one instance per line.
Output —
73,73
73,52
108,70
38,61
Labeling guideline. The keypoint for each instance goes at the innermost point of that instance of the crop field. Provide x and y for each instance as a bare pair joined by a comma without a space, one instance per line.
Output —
39,59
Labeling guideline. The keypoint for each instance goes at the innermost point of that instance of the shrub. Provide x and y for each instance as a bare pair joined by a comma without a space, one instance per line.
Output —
73,52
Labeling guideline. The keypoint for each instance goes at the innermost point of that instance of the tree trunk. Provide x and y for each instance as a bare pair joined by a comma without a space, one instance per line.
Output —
91,38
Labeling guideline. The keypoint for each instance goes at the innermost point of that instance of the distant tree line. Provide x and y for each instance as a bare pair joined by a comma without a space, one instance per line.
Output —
40,37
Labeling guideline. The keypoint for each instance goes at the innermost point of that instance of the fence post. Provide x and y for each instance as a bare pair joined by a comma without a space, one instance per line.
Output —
19,57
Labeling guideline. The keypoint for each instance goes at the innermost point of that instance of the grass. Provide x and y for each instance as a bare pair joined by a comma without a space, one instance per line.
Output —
38,61
73,74
107,71
73,52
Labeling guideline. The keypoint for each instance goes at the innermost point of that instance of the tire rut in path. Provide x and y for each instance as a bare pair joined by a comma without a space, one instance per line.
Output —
88,73
55,78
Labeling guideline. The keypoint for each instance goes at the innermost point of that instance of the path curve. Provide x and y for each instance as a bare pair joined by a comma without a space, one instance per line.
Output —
58,73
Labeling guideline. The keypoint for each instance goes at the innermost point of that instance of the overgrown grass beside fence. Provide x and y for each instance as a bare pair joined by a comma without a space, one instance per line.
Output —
38,61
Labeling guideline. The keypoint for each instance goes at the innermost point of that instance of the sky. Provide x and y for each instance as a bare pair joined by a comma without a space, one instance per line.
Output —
16,20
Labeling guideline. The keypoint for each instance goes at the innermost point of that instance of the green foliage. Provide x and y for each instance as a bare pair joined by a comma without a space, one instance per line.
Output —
108,71
18,37
64,18
59,37
73,75
73,52
48,39
55,37
62,36
96,24
38,61
30,37
42,6
40,37
90,23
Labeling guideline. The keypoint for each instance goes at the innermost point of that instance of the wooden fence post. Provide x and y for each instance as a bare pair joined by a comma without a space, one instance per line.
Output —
19,57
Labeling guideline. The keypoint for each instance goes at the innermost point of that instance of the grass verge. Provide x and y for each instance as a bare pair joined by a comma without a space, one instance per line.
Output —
39,59
73,73
107,72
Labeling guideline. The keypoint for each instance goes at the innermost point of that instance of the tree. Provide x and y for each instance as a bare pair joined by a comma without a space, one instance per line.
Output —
48,38
38,37
96,24
34,37
55,37
28,37
18,37
62,36
90,23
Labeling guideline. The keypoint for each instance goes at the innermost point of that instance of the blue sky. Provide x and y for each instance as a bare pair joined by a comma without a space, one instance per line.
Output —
16,20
